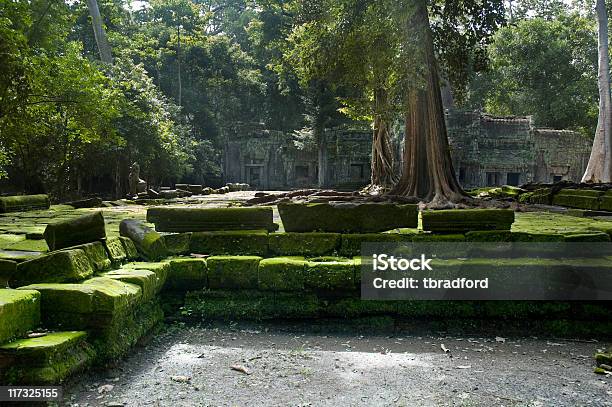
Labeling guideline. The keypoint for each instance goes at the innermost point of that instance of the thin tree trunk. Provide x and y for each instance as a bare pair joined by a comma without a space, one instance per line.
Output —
382,176
178,59
599,168
427,168
96,20
322,157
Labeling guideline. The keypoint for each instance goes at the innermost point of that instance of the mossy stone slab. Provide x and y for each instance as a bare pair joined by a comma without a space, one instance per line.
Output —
578,198
172,219
115,250
347,217
19,312
29,245
233,271
351,242
605,201
161,269
465,220
187,274
178,243
57,267
282,274
331,274
8,239
24,203
147,280
49,359
77,230
18,255
303,244
239,242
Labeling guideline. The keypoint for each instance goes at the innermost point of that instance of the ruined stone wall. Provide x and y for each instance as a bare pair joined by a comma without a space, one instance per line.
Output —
486,150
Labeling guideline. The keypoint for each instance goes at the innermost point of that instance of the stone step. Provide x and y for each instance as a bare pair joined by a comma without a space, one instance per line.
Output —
210,219
347,217
465,220
47,359
19,312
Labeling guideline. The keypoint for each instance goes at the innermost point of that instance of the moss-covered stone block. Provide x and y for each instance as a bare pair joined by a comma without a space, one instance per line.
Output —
187,274
19,203
537,237
347,217
178,243
489,236
603,358
331,274
97,255
578,198
250,305
83,306
49,359
605,201
8,239
147,280
465,220
19,312
116,250
282,274
139,238
131,252
541,196
7,270
172,219
351,242
303,244
587,237
58,267
239,242
233,271
161,269
74,231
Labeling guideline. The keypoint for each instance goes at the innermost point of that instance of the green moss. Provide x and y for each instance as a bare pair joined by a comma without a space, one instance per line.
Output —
97,255
303,244
19,312
76,230
46,360
489,236
251,305
7,239
578,198
603,359
347,217
131,253
57,267
29,246
331,275
587,237
187,274
147,280
116,250
161,269
168,219
465,220
178,243
282,274
351,242
605,201
430,237
23,203
542,196
233,271
251,242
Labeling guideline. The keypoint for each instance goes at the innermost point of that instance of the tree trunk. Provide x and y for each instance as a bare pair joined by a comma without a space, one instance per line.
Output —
599,168
101,40
178,59
322,157
427,168
382,176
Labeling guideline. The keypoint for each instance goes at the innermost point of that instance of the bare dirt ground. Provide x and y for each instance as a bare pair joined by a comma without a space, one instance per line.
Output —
272,365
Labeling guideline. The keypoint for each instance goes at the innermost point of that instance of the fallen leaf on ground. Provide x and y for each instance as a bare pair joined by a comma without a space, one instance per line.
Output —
180,379
500,339
464,367
240,368
105,388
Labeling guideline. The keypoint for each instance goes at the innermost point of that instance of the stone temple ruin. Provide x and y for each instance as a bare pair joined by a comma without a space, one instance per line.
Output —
486,151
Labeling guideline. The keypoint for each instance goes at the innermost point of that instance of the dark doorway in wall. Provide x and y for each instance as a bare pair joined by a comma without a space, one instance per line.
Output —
357,172
492,179
462,175
513,178
301,171
557,178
